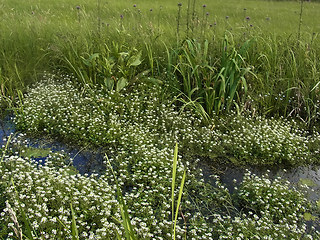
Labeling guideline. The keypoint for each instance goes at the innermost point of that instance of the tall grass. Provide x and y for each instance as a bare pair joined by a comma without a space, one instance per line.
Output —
287,78
217,84
111,43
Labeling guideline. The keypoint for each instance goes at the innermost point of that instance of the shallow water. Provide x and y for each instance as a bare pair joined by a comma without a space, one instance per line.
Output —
91,161
85,160
305,175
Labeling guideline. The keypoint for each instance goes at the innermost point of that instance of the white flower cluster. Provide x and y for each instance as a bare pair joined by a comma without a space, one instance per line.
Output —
56,107
138,131
45,192
261,141
270,209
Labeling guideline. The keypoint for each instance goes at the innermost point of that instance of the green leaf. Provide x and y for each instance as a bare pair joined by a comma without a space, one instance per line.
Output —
308,182
126,222
153,81
90,59
308,217
174,172
122,83
5,149
178,203
233,160
74,230
135,60
36,152
109,83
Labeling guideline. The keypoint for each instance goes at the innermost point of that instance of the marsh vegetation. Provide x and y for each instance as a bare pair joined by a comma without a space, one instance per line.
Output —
160,88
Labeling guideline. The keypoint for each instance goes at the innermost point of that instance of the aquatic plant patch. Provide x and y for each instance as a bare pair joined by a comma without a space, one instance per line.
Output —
138,129
43,194
57,108
269,209
262,141
45,191
141,156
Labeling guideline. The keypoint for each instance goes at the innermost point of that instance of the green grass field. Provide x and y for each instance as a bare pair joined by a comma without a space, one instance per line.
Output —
42,36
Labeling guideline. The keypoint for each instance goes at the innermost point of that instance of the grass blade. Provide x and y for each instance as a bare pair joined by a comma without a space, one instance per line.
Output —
174,172
74,230
178,203
5,149
25,219
123,210
175,211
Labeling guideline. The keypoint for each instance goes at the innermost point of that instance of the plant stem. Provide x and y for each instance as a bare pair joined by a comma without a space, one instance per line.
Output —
193,14
178,21
188,17
300,21
99,17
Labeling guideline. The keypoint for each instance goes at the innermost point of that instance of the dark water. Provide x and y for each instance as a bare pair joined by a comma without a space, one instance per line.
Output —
85,160
305,175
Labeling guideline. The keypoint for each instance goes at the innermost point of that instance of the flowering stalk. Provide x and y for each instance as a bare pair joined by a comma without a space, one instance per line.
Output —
178,19
300,21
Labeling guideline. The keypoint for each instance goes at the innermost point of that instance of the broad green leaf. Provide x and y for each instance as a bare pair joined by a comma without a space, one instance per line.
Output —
35,152
109,83
88,61
122,83
93,56
154,81
135,60
307,181
308,216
